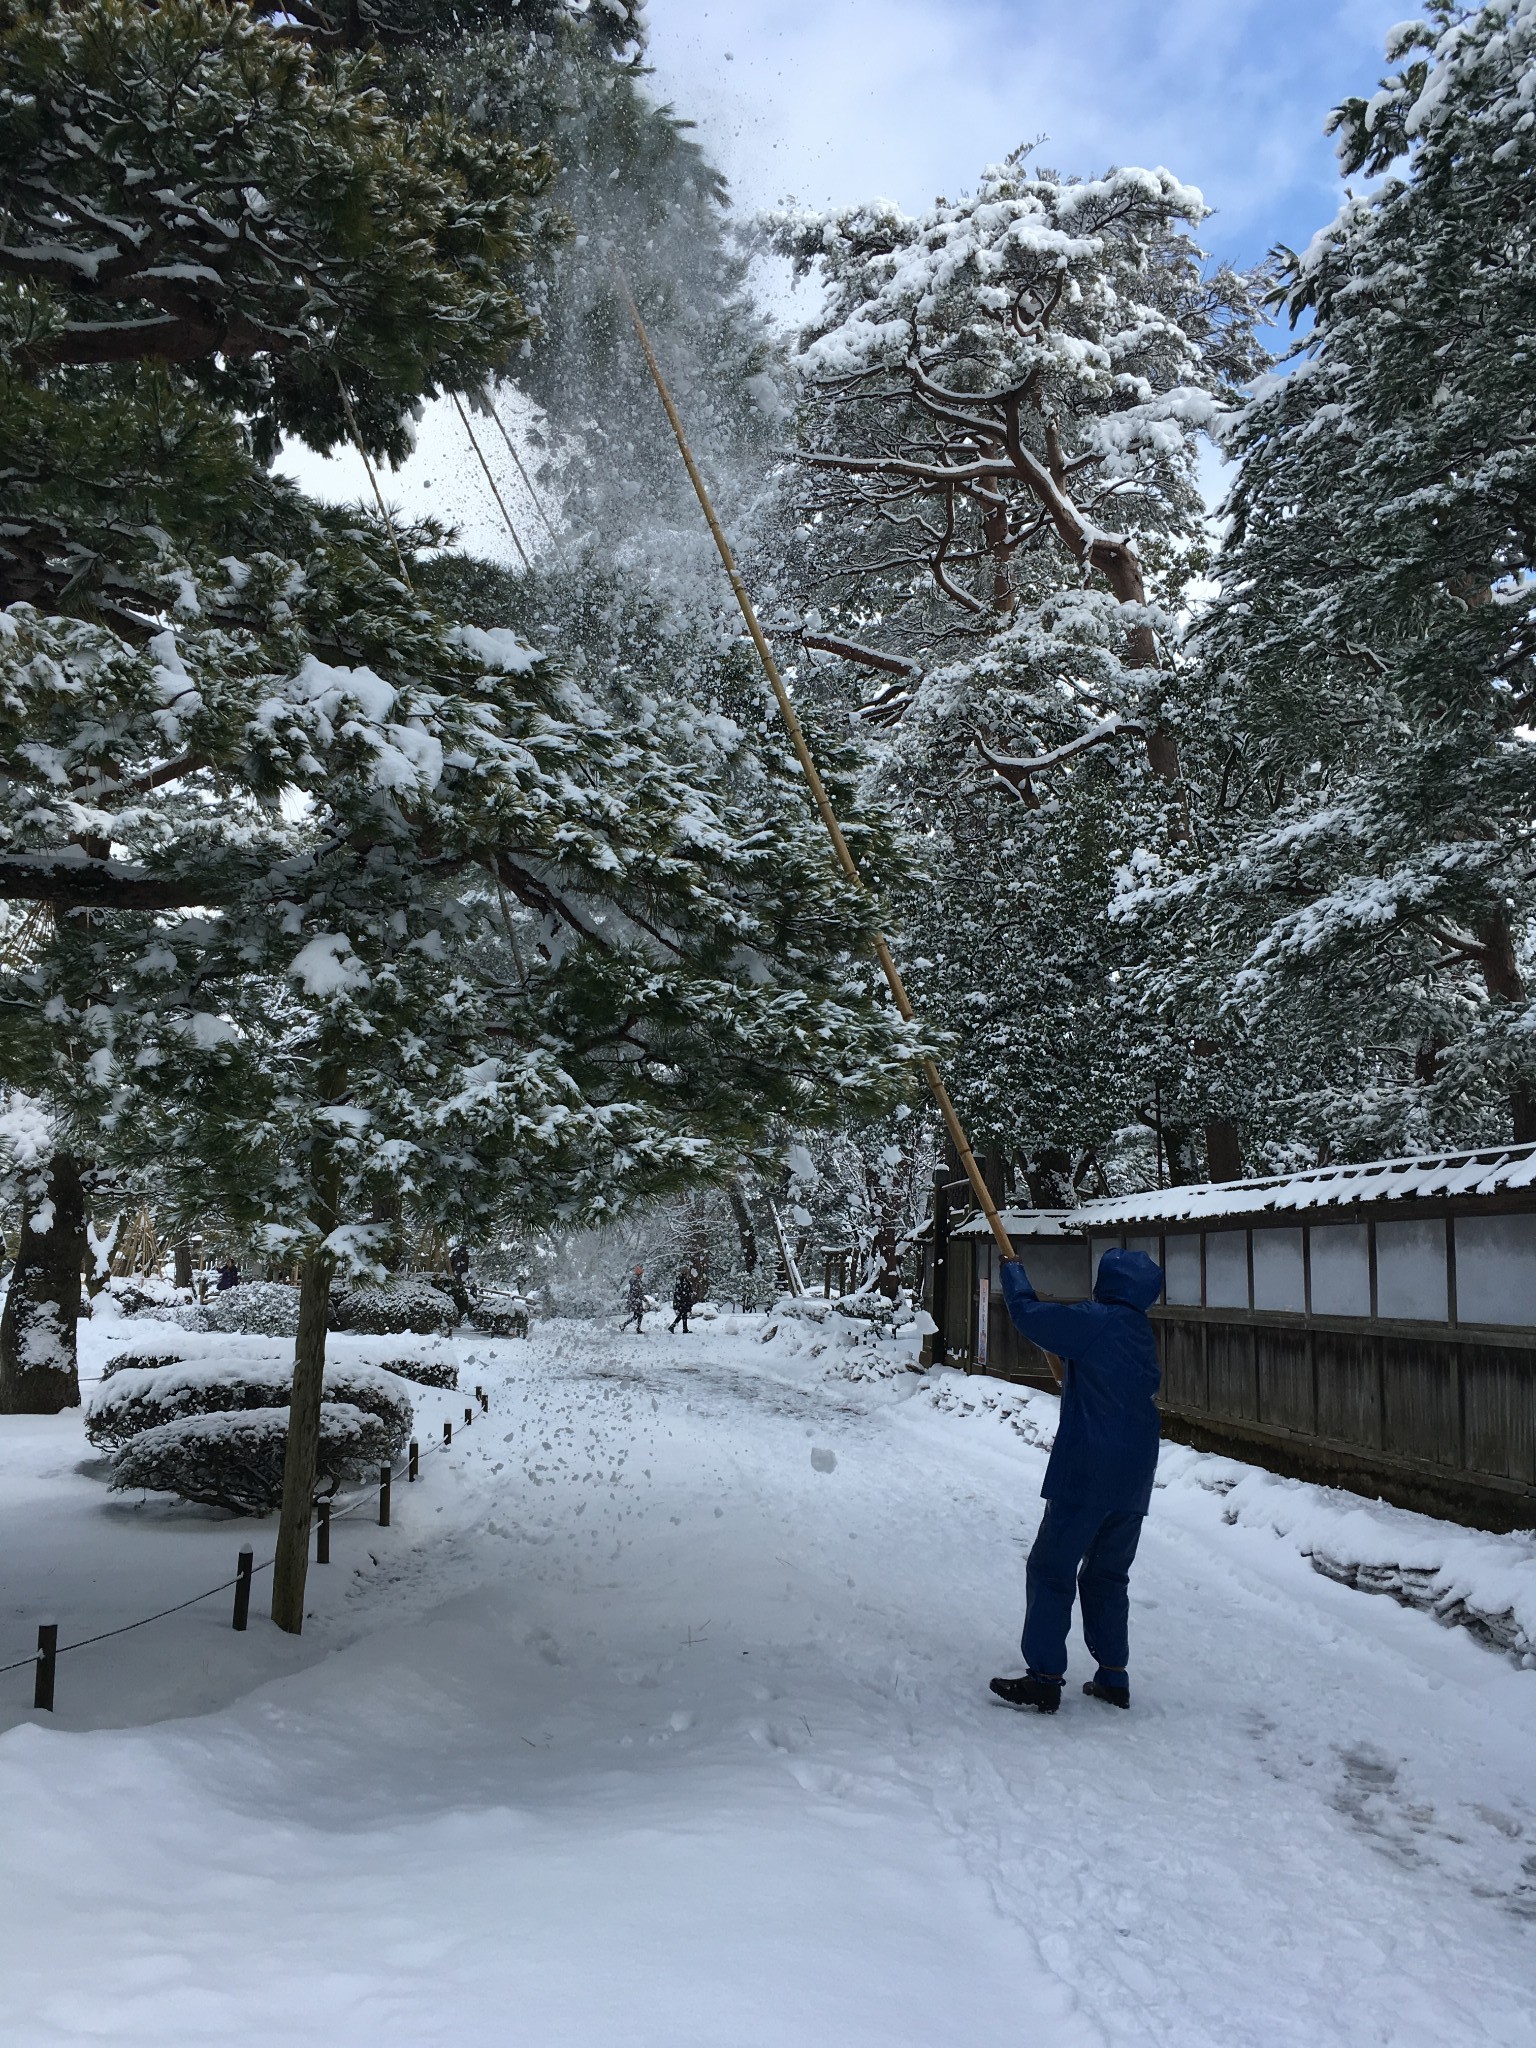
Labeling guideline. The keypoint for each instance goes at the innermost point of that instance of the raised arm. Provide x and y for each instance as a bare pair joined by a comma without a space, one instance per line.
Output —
1063,1327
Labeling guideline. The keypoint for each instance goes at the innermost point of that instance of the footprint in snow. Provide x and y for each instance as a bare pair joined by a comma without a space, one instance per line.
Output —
823,1460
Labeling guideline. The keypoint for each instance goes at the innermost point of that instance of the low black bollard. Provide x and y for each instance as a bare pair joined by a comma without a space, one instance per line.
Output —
413,1469
323,1535
469,1416
485,1401
447,1433
47,1659
384,1478
243,1572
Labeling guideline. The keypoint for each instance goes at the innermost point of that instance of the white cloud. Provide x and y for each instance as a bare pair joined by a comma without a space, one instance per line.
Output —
837,100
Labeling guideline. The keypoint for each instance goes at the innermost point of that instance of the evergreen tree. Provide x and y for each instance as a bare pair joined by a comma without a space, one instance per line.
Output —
1001,404
1363,902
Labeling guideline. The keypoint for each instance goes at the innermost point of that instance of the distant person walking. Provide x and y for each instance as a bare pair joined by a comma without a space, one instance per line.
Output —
1098,1484
684,1295
636,1302
229,1276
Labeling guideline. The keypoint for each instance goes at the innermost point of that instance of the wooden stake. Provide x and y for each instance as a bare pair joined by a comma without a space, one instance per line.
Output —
243,1589
47,1663
812,774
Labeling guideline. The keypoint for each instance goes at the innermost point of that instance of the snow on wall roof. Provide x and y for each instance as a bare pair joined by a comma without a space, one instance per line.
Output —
1499,1169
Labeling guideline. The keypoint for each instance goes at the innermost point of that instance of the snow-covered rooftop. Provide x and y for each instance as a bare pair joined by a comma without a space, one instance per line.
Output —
1498,1169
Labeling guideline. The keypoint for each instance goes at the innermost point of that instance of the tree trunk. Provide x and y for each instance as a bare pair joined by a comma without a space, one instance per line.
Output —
744,1228
1505,983
292,1562
1223,1149
39,1373
181,1252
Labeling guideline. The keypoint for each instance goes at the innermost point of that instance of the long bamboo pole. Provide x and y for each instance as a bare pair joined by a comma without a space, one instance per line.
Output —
846,861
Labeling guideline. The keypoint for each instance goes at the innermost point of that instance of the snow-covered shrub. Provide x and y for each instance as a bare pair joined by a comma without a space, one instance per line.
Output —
236,1461
426,1372
133,1401
399,1308
130,1299
139,1361
256,1308
497,1314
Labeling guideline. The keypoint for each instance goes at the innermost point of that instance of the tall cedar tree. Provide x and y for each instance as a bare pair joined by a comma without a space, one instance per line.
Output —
1001,401
1367,897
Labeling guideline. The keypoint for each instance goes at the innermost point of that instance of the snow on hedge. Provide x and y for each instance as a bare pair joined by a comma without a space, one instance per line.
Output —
256,1308
499,1314
398,1308
235,1461
135,1399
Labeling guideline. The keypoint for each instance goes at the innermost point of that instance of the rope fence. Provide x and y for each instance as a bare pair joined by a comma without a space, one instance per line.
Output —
44,1659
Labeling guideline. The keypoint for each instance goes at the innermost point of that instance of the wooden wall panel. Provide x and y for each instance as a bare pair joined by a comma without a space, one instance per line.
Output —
1348,1388
1181,1346
1232,1383
1421,1410
1285,1379
1501,1411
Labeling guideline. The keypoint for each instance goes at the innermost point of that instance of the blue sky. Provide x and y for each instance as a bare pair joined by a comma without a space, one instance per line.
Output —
837,100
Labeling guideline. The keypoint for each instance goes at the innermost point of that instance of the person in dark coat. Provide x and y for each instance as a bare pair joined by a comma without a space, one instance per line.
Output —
229,1276
636,1301
684,1295
1098,1484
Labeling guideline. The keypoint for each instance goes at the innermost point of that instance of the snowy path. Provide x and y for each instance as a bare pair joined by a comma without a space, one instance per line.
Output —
642,1728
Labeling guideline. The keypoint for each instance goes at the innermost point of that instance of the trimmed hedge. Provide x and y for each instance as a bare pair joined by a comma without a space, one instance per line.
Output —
411,1307
149,1396
256,1308
426,1372
236,1461
495,1314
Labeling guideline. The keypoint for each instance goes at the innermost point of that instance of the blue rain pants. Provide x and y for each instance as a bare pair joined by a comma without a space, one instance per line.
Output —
1081,1541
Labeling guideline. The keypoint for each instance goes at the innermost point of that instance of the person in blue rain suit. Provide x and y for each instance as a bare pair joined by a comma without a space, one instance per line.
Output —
1098,1484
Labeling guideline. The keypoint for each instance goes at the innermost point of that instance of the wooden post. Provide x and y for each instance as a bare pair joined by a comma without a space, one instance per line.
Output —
469,1416
243,1572
323,1535
384,1479
413,1469
47,1659
302,1453
938,1306
447,1434
485,1401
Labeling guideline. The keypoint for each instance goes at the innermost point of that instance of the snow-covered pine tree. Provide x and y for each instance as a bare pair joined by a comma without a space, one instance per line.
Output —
1001,404
236,740
1366,895
212,235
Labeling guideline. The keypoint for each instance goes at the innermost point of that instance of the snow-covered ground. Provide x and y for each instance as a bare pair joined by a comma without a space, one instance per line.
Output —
658,1719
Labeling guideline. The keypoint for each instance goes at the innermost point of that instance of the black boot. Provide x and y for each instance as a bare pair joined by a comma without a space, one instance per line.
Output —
1044,1694
1117,1695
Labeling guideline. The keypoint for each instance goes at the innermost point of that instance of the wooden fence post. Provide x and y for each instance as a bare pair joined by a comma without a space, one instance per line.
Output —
413,1471
469,1416
323,1535
384,1479
47,1658
447,1434
243,1572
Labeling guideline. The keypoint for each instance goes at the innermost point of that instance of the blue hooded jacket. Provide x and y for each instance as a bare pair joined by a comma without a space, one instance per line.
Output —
1107,1438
